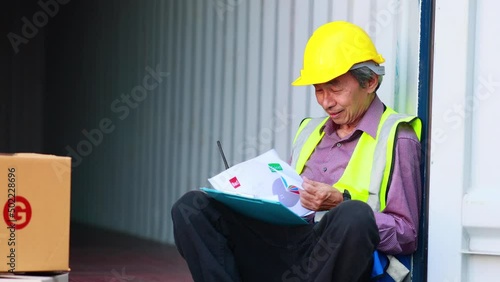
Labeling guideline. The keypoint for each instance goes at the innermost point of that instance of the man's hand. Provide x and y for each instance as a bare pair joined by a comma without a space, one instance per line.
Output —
319,196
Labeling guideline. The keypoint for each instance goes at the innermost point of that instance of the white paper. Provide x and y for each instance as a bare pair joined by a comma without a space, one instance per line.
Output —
264,177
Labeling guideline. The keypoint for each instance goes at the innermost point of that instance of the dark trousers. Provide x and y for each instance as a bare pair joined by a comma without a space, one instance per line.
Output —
222,245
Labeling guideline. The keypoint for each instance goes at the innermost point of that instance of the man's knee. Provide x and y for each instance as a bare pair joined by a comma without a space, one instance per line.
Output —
358,209
355,216
189,205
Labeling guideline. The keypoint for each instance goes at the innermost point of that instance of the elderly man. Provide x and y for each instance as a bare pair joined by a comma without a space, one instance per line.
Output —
363,150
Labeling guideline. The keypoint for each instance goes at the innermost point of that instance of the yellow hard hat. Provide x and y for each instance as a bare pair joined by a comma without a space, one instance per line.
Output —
333,49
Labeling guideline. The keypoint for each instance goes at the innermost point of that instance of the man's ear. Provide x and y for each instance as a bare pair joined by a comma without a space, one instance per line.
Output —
372,84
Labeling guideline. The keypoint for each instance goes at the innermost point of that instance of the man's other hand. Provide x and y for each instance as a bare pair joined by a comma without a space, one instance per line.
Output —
319,196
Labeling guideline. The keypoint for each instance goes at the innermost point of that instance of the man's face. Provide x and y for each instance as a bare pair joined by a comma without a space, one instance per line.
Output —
344,99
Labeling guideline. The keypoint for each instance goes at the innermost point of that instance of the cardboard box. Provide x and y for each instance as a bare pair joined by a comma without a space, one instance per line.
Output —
35,205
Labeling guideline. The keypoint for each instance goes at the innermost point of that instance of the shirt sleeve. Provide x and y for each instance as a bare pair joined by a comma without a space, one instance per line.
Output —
398,222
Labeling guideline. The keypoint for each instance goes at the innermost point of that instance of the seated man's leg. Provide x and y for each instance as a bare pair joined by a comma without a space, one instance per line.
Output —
200,237
221,245
346,238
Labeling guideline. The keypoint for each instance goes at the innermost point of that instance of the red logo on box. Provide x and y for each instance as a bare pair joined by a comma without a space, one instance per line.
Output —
235,182
17,212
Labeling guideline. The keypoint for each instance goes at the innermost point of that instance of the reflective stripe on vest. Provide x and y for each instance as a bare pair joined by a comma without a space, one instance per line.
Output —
368,172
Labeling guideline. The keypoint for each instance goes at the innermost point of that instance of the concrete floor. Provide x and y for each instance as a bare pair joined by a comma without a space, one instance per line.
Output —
100,255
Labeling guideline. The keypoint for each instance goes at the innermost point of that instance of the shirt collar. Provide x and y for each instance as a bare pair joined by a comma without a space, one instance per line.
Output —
368,123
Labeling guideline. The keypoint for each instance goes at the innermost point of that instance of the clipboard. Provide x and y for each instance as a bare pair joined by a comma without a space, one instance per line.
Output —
266,210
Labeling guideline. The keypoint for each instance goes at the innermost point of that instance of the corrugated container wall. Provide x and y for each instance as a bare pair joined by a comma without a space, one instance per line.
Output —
150,86
464,226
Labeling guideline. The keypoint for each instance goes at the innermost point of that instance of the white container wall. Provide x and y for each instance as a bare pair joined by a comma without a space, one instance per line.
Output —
222,71
464,227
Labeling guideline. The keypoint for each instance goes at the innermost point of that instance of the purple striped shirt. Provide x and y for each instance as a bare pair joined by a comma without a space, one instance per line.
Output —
398,223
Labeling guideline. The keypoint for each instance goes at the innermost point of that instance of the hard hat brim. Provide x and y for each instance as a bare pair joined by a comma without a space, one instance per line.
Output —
304,79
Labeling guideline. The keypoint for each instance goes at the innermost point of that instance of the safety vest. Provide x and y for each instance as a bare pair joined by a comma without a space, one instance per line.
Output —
368,173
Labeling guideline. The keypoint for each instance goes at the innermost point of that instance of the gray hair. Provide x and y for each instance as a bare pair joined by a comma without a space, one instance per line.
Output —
365,74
